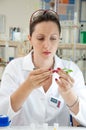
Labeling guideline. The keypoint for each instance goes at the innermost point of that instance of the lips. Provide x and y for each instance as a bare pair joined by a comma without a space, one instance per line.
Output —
46,52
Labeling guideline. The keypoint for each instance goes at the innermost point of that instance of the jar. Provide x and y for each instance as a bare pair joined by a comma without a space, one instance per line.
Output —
4,121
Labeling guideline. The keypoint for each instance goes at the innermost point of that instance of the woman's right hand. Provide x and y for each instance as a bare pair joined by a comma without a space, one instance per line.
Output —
38,77
35,79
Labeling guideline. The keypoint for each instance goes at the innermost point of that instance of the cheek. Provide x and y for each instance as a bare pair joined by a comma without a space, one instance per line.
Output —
55,46
37,47
54,49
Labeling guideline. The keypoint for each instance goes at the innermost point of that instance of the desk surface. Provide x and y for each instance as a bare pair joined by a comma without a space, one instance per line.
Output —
41,128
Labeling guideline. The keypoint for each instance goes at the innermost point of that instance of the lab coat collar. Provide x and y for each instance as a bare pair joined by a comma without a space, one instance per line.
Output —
27,62
58,62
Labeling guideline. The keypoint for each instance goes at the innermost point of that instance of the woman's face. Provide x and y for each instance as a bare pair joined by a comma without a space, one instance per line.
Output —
45,39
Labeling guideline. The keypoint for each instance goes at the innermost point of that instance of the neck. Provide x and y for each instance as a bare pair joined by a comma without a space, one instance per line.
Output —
40,62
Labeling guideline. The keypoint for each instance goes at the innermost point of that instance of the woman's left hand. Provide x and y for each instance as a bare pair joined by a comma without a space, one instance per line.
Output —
65,81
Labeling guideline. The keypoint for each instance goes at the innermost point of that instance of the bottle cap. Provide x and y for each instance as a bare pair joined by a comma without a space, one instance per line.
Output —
4,121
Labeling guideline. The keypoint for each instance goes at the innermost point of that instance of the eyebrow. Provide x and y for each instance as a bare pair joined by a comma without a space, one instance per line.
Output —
40,34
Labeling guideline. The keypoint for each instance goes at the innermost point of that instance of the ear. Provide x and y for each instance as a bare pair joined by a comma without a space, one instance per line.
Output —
29,38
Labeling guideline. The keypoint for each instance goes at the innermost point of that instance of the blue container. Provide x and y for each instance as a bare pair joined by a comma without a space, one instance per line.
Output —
4,121
11,58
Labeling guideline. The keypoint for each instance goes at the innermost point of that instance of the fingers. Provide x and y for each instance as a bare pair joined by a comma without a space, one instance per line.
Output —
64,75
39,71
37,77
42,82
65,81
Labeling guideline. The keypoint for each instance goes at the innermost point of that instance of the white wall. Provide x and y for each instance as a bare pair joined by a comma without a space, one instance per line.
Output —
17,13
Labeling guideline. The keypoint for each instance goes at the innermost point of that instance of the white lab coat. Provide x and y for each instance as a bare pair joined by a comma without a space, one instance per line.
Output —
40,107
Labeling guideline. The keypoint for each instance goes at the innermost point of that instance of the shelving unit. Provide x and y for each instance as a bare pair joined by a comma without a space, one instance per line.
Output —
71,46
21,48
25,45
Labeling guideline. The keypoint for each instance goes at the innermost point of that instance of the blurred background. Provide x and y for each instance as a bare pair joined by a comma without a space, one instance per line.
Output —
14,28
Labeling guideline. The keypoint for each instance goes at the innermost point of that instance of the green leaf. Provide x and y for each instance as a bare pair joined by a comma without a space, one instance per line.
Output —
67,70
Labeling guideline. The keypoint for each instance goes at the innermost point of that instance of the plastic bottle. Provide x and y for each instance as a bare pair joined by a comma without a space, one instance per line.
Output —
56,125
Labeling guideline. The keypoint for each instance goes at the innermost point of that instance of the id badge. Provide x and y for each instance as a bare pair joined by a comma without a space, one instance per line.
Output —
55,102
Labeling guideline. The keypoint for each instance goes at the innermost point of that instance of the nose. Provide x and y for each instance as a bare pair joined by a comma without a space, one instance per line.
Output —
46,43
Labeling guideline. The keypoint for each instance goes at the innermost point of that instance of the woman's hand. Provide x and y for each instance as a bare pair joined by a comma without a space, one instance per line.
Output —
38,77
65,81
35,79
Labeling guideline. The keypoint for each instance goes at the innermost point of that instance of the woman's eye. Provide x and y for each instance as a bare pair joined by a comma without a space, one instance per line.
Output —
53,38
40,39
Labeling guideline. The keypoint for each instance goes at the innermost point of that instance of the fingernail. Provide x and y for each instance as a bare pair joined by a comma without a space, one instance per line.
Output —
55,71
58,68
56,79
49,69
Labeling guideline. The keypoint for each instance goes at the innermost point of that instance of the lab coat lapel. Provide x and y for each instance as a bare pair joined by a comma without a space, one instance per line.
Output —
27,62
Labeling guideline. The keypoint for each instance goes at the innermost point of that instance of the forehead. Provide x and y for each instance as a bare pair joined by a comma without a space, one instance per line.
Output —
47,27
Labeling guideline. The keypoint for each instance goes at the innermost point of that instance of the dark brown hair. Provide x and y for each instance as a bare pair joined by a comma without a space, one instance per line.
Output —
46,16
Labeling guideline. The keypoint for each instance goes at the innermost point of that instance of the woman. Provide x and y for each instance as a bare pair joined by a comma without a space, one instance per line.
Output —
35,88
